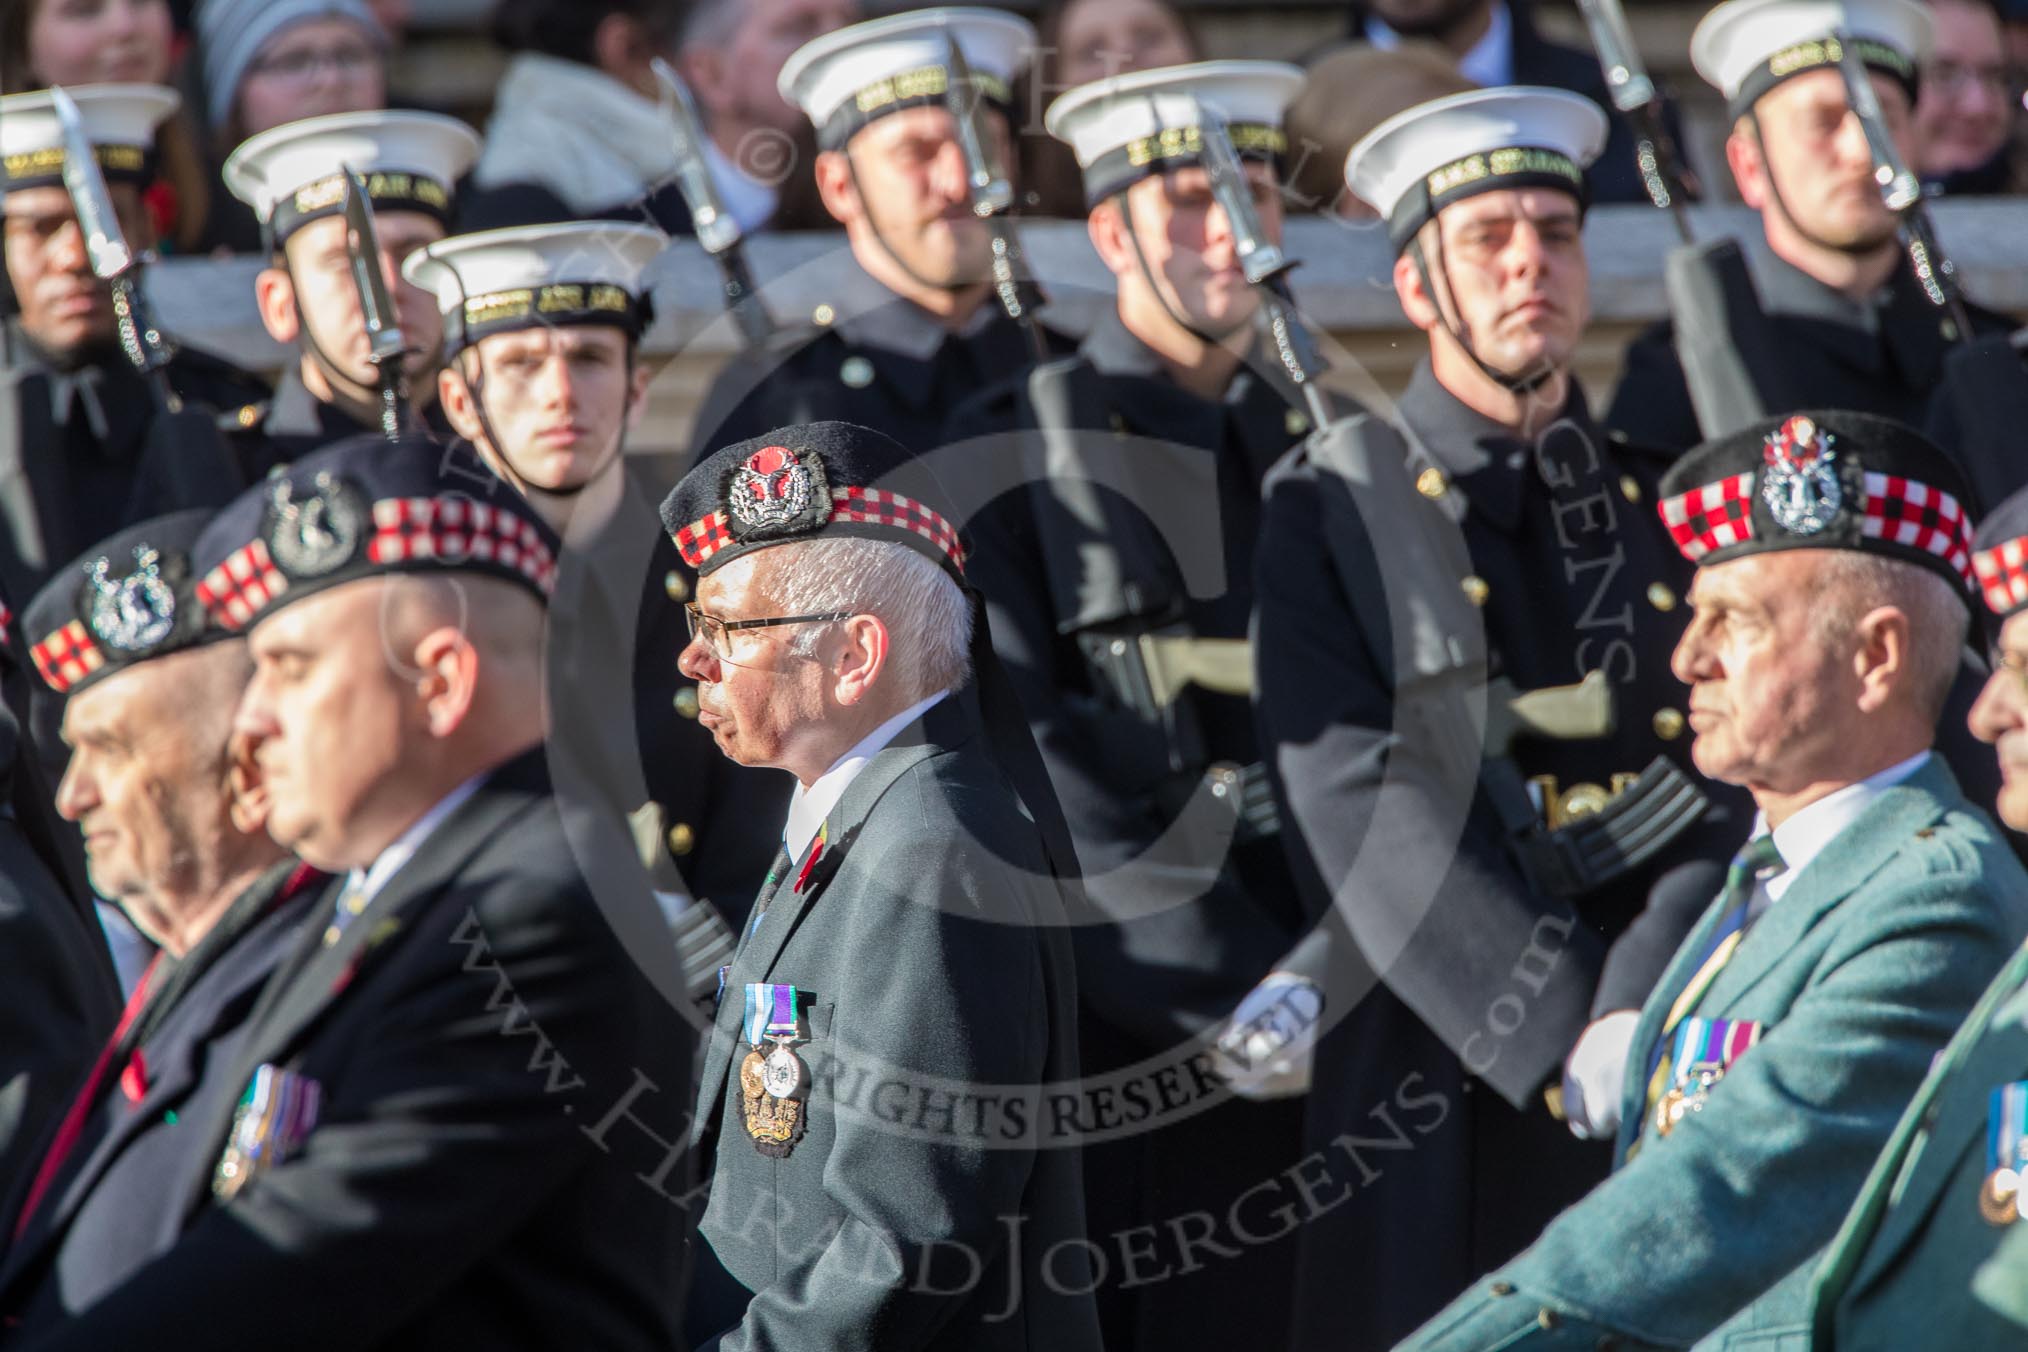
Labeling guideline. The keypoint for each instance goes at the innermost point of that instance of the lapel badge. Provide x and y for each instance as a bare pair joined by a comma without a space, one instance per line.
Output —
136,612
274,1117
1801,487
777,492
317,534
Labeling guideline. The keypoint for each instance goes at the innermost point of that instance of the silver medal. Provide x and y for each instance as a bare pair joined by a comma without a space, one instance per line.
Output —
782,1072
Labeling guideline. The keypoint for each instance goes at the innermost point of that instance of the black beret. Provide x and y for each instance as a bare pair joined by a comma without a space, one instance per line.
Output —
368,507
1821,480
797,483
2001,556
131,597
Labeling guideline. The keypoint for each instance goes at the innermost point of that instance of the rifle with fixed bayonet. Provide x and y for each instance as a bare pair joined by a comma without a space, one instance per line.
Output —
710,222
1900,190
113,261
991,190
1668,180
1263,261
386,347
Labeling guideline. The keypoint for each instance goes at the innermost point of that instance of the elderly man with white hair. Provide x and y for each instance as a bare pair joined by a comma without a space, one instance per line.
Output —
882,1172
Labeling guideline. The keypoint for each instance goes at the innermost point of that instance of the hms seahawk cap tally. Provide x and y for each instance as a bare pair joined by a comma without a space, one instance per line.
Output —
850,77
573,274
294,174
128,599
119,121
1418,162
2000,556
367,507
1744,48
1125,128
1829,479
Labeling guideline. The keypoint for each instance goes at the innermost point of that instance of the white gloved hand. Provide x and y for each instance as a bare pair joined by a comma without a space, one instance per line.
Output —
1595,1074
1265,1049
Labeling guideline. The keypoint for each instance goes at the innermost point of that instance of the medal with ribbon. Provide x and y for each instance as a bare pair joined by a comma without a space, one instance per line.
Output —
1704,1050
771,1082
2000,1196
274,1117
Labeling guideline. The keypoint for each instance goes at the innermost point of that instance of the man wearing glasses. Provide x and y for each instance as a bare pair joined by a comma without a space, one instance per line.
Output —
884,1171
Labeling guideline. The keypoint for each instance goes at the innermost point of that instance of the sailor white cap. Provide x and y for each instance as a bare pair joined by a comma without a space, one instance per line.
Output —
1126,127
293,174
119,120
1746,47
539,276
846,79
1420,161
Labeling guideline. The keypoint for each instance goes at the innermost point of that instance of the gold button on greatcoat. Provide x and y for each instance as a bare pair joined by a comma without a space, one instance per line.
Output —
682,840
1431,483
1661,598
1669,724
686,701
1476,590
1630,489
678,589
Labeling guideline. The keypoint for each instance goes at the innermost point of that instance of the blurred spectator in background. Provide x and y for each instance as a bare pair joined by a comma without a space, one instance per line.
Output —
263,63
760,149
1081,41
578,131
1351,90
78,42
1965,106
1496,43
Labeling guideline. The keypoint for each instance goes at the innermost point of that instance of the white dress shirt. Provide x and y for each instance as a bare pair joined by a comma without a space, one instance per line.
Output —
809,806
366,883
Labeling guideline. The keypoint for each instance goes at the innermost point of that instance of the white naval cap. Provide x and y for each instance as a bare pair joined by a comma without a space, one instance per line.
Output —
1420,161
293,174
539,276
1126,127
847,78
1744,48
119,120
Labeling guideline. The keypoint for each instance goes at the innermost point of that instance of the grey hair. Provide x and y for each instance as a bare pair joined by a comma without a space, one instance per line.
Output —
1939,617
928,617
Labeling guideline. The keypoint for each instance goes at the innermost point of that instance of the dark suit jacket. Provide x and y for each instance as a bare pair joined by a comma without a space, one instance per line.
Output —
117,1200
495,1161
937,995
61,999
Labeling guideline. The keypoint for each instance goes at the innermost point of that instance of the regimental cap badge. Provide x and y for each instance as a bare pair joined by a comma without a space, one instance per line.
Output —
316,534
777,492
1801,486
132,614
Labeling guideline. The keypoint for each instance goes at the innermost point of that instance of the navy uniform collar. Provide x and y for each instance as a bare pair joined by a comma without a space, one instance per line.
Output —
1112,349
869,314
1490,464
1897,325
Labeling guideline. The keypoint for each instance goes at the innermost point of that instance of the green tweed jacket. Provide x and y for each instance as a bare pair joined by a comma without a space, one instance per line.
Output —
1916,1264
1858,976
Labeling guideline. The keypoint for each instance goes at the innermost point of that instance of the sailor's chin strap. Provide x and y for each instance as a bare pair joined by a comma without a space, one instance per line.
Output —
334,374
1522,383
475,382
880,236
1781,205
